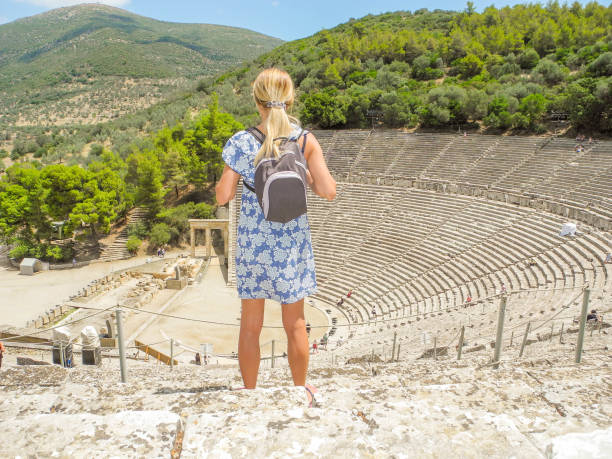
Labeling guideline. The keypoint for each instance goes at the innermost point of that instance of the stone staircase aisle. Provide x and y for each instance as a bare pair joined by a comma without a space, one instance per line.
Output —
117,249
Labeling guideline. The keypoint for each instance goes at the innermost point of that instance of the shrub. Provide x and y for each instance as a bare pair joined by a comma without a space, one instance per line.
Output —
133,244
602,66
528,59
20,251
160,235
548,71
138,229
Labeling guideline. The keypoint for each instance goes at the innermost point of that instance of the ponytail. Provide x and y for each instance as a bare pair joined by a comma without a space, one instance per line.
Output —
273,89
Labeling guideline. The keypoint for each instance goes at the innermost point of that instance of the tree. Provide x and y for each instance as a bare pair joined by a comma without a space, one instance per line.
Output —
205,141
533,108
323,109
149,192
468,66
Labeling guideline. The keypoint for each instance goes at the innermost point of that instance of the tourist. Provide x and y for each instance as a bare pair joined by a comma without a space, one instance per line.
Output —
340,302
324,341
503,288
315,347
592,317
260,275
308,328
374,313
609,257
198,360
2,349
532,262
350,292
468,300
73,262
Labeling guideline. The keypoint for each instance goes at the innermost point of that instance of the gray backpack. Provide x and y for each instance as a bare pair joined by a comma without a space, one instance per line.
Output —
280,183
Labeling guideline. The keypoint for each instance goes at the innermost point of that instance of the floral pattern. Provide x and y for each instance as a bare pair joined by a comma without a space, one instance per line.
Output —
273,260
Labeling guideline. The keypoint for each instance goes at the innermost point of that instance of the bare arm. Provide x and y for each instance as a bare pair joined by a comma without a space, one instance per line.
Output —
226,187
322,182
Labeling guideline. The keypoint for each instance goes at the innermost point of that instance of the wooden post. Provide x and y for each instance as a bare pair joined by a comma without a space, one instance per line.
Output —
398,351
561,334
511,337
552,327
435,350
121,347
583,315
171,354
460,342
525,339
62,354
500,330
393,350
272,359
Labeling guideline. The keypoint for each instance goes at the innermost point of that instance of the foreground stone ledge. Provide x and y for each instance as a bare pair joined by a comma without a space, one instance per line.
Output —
148,434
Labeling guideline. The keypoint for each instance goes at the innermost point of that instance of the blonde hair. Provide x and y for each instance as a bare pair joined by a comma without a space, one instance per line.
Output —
273,90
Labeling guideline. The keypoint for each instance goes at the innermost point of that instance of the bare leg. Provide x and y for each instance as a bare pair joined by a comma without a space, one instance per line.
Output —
251,321
297,340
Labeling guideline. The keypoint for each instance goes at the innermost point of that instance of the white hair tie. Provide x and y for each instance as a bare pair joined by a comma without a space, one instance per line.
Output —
276,104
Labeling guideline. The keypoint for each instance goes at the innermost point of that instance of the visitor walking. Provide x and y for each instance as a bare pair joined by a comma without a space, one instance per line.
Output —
273,260
2,349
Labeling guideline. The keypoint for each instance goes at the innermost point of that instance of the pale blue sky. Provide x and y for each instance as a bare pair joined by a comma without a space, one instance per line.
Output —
280,18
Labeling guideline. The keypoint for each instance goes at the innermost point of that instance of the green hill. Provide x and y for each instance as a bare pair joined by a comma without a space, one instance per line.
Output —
507,68
91,62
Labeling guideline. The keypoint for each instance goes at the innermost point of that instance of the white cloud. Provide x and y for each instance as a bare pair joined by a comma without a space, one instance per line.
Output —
60,3
3,20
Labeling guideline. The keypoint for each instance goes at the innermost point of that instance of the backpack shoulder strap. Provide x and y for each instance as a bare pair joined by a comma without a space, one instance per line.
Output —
248,186
259,136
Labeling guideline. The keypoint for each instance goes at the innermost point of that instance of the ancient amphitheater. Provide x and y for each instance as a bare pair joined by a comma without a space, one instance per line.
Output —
429,232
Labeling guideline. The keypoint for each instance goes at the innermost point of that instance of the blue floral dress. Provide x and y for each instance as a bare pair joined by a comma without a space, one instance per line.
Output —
273,260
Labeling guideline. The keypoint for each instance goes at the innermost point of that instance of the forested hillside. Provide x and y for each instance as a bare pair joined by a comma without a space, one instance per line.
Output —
86,201
504,68
91,63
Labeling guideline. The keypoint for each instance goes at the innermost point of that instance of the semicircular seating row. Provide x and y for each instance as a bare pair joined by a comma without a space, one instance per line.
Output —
546,166
404,251
408,250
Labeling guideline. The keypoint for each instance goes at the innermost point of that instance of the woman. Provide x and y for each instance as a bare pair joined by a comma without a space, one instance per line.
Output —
273,260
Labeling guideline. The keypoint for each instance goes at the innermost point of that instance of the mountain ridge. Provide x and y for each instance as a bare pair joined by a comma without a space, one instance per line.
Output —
89,48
